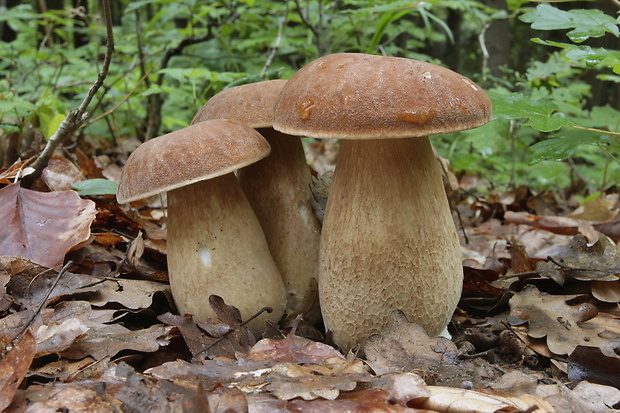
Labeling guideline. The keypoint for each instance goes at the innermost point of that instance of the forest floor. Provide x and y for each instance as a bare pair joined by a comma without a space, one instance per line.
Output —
537,328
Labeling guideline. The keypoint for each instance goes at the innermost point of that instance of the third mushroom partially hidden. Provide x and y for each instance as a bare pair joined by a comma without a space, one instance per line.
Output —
388,239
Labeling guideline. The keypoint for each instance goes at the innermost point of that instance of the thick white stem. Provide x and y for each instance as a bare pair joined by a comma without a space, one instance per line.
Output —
216,246
278,188
388,241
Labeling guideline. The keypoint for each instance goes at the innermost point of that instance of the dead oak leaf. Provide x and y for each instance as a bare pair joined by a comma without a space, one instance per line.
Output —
404,346
564,325
598,262
292,349
43,226
310,381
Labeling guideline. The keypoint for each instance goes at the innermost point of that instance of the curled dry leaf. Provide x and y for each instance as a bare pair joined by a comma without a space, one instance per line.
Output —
451,400
590,364
565,326
43,226
368,400
599,262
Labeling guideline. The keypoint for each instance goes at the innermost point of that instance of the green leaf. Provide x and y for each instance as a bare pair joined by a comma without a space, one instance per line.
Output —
540,113
97,186
565,146
584,23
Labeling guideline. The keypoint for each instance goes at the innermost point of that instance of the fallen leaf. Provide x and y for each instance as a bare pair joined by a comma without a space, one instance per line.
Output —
369,400
451,400
42,226
293,349
599,262
564,326
14,363
225,400
288,381
404,346
590,364
60,174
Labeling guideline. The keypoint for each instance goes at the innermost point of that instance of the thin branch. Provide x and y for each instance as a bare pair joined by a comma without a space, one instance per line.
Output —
276,46
305,20
75,118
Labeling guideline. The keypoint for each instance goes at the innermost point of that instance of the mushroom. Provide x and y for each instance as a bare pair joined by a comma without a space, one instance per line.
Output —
388,240
278,187
215,243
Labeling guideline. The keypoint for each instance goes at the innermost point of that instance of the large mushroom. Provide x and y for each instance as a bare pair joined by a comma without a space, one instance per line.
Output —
215,243
388,240
278,187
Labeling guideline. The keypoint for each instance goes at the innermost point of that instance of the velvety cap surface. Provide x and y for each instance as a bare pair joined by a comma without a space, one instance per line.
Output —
195,153
252,104
360,96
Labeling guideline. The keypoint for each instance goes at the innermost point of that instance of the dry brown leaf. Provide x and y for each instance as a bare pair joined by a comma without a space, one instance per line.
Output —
225,400
288,381
585,398
404,346
600,209
606,291
108,340
590,364
293,349
402,387
451,400
599,262
60,174
15,361
565,326
40,226
369,400
133,294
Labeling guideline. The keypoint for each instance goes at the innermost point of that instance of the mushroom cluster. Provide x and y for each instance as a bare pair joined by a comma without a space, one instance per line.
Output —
388,241
215,242
277,187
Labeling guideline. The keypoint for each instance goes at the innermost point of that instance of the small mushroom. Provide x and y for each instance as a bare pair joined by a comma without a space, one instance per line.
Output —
215,243
278,187
388,240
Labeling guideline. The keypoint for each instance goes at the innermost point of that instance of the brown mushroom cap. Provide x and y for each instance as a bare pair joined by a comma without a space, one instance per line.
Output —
251,103
360,96
195,153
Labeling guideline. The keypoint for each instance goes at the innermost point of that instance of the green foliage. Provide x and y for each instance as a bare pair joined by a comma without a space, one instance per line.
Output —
183,52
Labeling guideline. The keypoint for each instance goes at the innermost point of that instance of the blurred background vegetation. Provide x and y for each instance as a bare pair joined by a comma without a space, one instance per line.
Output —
551,69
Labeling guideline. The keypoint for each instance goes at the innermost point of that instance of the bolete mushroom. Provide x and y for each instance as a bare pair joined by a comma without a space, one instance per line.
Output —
388,240
215,243
278,186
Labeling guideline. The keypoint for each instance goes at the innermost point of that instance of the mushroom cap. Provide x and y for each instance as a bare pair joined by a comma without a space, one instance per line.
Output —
360,96
251,103
195,153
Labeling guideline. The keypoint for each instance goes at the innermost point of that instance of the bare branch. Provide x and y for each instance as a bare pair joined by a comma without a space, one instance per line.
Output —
76,118
276,46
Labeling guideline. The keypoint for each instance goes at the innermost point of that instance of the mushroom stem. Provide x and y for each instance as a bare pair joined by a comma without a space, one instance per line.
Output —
388,232
291,229
216,246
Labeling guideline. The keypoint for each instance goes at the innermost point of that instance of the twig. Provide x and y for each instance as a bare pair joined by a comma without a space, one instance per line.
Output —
77,117
44,301
276,46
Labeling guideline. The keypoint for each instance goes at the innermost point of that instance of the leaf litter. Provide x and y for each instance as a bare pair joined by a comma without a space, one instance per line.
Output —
537,328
